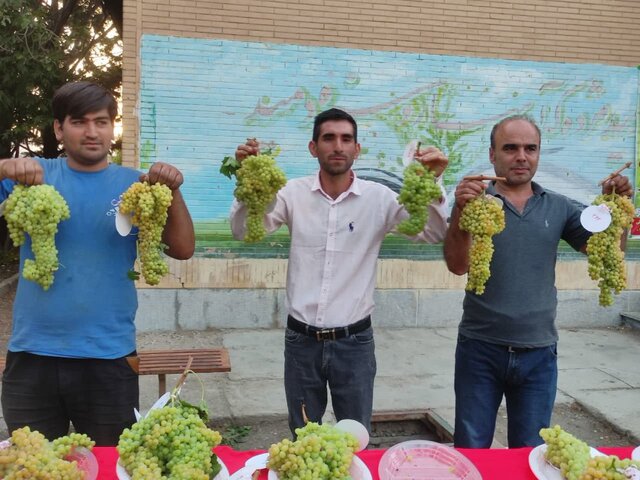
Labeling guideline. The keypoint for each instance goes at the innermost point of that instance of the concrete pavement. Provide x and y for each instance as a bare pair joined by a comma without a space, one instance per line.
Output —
599,369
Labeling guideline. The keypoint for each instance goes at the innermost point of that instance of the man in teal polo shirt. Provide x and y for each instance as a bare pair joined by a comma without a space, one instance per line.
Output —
507,336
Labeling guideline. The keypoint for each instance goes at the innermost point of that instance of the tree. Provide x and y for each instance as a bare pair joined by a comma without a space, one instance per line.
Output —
46,43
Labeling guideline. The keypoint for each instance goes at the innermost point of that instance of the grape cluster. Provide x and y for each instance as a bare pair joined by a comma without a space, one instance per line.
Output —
172,442
321,452
482,217
257,181
148,206
605,258
573,457
418,190
609,467
32,456
566,452
37,210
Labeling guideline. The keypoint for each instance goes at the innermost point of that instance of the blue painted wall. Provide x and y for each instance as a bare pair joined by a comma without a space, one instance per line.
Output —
200,98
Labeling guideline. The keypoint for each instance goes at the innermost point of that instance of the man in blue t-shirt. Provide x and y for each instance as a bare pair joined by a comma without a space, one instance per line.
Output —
507,337
68,356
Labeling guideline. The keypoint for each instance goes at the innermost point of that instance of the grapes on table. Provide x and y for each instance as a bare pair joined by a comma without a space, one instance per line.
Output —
482,217
172,442
37,210
30,455
565,452
320,452
604,256
573,458
418,190
258,180
148,206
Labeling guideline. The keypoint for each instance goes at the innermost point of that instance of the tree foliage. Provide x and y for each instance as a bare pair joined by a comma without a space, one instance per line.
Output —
44,44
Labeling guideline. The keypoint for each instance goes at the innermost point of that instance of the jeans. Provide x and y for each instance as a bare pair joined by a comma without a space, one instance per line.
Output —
346,365
484,372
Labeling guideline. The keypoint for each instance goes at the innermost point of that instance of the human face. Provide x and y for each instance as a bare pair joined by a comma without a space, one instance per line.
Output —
86,140
516,152
336,148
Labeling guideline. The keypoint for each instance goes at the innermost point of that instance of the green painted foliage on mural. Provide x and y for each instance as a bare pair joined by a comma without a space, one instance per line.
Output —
421,117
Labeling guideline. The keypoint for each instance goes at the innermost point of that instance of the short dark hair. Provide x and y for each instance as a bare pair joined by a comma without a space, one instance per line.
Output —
519,116
333,114
79,98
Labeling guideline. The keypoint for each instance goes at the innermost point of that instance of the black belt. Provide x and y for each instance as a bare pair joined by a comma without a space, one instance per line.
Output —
512,349
328,333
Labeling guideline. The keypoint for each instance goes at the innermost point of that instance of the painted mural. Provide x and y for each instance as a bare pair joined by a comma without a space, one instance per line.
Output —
200,98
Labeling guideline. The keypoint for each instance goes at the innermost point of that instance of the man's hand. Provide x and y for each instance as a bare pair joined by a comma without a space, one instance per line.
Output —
252,147
163,173
433,159
468,190
25,170
620,184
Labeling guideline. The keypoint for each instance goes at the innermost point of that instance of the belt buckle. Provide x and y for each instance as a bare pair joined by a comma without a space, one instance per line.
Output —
326,334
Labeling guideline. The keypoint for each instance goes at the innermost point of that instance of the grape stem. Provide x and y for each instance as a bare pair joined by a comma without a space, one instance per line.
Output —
614,174
183,377
484,177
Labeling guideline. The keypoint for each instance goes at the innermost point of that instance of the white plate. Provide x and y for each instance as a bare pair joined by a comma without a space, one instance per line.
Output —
635,455
425,459
222,474
542,469
358,471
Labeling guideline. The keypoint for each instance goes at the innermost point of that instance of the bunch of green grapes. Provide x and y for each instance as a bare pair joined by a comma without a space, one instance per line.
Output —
566,452
30,455
482,217
321,452
258,180
172,442
609,467
148,206
36,210
418,190
605,258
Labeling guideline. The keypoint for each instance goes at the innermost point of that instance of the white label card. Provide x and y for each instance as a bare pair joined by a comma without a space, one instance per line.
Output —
409,153
123,223
596,218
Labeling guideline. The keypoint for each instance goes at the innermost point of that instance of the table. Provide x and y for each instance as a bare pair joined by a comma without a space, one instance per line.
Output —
493,464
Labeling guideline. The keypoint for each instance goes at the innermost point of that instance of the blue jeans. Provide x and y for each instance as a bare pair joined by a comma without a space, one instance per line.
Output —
346,365
485,372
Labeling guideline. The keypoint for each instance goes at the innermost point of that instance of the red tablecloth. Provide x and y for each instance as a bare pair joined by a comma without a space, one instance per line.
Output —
493,464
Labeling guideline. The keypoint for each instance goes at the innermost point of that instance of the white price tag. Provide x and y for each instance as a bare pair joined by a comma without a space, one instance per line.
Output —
123,223
409,153
596,218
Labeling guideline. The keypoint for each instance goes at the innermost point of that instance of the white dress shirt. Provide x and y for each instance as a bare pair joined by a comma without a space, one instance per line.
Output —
331,272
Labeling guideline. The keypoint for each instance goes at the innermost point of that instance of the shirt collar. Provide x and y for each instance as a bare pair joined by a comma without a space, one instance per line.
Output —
354,188
536,188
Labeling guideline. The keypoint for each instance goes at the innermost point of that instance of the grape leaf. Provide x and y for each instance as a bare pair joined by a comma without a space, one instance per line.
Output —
133,275
202,410
229,166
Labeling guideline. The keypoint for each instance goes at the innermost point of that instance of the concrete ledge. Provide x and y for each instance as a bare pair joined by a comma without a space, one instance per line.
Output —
203,309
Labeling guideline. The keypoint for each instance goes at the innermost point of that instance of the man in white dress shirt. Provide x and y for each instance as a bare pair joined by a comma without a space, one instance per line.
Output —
337,223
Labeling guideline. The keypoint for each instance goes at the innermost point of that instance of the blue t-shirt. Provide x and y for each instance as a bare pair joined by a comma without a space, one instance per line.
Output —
89,310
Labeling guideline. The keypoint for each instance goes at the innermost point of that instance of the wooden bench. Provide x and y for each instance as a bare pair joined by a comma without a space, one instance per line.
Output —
164,362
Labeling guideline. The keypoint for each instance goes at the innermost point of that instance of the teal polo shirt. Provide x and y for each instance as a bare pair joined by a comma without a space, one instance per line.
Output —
518,306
